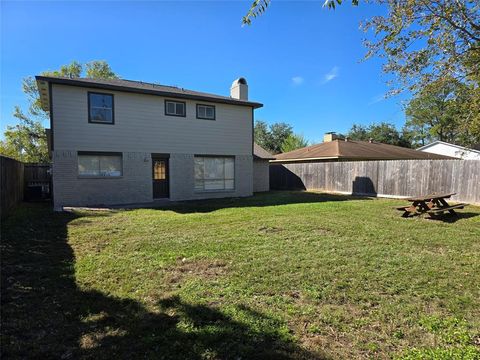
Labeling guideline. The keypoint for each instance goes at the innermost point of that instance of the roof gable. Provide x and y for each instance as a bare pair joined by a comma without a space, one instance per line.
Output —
261,153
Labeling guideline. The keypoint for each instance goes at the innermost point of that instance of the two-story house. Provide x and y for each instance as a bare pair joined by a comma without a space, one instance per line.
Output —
122,142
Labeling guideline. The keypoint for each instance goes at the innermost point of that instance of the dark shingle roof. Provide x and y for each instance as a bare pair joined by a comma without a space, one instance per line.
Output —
355,150
261,153
145,88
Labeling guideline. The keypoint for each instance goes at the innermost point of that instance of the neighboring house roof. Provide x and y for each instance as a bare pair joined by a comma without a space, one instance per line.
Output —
460,151
135,87
354,150
261,153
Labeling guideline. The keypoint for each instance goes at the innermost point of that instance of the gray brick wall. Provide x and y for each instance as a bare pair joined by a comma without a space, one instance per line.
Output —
261,175
135,185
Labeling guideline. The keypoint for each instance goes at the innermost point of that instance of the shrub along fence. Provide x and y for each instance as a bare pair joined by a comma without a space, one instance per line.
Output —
390,178
11,184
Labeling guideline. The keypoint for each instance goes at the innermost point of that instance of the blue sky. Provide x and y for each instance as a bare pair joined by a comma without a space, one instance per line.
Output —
302,61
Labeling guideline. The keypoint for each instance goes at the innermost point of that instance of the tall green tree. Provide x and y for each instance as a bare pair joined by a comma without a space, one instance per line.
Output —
470,125
271,137
294,142
438,112
416,134
358,132
425,41
261,134
27,141
279,132
99,69
383,132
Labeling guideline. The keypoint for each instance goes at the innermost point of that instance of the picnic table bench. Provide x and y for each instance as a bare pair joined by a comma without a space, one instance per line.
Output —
432,204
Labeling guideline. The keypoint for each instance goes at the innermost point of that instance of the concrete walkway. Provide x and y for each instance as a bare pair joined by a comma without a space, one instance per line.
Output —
160,203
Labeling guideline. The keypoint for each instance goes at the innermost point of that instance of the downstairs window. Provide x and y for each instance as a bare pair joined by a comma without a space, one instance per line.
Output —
214,173
99,164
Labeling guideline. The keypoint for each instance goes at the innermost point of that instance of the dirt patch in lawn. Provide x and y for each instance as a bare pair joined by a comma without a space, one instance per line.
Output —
198,268
269,229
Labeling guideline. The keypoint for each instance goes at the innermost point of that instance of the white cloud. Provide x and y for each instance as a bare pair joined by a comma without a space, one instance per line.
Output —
332,74
297,80
376,99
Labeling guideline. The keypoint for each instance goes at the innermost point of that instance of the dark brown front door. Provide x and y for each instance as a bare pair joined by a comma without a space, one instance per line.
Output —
160,177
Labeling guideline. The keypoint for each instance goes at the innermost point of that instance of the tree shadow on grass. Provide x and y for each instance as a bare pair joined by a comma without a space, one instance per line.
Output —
46,315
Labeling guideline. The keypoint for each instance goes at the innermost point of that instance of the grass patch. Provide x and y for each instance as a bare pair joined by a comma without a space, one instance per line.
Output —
279,275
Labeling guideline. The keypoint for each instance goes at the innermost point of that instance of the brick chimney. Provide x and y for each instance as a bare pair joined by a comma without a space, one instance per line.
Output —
239,89
330,136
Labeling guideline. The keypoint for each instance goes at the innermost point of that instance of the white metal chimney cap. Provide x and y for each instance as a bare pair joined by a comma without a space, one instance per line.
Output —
240,80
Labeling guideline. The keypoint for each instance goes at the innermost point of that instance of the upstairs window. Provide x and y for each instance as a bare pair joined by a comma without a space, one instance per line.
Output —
100,108
92,164
175,108
206,112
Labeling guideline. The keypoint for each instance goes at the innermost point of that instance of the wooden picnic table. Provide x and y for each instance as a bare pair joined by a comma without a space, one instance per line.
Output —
433,204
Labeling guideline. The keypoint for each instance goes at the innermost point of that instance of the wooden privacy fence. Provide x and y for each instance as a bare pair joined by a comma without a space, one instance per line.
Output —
37,181
20,181
394,178
11,184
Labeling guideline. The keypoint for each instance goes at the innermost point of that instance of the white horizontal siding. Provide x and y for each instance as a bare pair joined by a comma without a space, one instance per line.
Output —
141,126
453,151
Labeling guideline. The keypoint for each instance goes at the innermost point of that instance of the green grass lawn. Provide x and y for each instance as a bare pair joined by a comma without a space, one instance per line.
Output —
279,275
